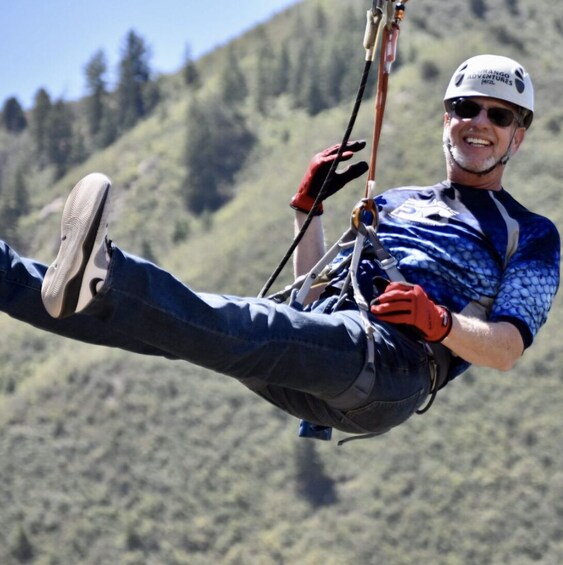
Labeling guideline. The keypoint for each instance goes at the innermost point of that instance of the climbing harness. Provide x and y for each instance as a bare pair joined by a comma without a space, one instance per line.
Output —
382,26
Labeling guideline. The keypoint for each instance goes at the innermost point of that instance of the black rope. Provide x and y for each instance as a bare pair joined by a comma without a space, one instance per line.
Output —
325,185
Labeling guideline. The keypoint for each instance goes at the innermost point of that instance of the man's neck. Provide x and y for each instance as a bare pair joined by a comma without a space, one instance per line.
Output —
490,181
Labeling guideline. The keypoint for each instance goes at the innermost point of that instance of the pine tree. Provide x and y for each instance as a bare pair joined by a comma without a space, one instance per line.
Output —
190,72
60,138
39,123
217,145
300,70
282,71
333,69
21,193
13,116
264,78
314,96
233,86
134,98
95,71
13,205
108,128
311,95
321,20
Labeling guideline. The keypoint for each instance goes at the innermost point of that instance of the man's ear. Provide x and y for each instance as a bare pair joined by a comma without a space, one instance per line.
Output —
519,136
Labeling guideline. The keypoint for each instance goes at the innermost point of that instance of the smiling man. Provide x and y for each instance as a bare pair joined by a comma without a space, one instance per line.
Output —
489,105
482,271
465,242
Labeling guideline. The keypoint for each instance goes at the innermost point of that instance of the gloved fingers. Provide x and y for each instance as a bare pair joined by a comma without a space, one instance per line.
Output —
393,313
316,174
342,178
394,296
330,151
351,148
391,310
356,145
405,303
352,172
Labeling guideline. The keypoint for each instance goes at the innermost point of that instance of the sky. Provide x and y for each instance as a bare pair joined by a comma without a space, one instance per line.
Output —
47,43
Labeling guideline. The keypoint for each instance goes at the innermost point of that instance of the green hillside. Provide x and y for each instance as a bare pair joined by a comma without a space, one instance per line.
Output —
111,458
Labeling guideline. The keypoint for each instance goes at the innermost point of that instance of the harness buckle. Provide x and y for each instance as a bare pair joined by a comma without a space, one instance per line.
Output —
388,263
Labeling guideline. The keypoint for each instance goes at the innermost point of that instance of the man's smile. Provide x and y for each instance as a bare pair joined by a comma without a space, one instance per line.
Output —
477,141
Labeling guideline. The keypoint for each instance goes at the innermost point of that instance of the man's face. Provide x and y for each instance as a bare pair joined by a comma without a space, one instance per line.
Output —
476,143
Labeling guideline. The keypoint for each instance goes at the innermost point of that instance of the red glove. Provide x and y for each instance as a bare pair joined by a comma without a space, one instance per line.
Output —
404,303
317,172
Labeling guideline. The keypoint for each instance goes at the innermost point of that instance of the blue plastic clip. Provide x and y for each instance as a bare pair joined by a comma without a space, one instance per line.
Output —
314,431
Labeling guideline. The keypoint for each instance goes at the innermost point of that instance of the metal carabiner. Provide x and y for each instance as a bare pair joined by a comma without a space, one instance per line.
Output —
374,17
378,6
364,213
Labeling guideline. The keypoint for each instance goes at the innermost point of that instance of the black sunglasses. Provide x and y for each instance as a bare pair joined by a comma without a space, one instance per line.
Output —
498,116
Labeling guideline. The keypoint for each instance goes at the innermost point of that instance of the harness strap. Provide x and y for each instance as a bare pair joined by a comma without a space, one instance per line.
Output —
356,394
385,260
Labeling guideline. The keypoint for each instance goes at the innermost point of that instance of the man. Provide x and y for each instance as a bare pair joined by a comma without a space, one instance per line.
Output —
482,274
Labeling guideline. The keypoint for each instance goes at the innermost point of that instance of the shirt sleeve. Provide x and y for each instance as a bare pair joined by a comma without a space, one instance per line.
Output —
530,279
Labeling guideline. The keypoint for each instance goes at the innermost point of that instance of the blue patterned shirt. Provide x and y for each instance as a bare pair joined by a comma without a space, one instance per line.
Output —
478,252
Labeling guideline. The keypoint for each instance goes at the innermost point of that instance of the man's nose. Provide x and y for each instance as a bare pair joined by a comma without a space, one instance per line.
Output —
482,117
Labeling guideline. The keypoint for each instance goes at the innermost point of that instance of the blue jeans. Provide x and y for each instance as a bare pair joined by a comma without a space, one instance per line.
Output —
302,362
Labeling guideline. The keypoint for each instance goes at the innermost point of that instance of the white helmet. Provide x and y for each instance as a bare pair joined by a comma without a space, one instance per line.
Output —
494,76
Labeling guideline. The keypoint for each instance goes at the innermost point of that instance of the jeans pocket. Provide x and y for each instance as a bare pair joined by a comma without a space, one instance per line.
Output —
379,416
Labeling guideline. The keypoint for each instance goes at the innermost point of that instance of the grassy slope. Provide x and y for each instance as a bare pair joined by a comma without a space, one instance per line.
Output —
106,457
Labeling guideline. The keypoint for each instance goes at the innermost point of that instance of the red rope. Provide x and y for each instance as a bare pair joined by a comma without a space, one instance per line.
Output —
386,58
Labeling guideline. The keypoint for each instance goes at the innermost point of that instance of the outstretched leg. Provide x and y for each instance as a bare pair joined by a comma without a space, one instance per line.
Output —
301,361
245,338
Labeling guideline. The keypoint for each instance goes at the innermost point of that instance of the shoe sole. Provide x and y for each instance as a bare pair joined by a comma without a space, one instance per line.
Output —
83,226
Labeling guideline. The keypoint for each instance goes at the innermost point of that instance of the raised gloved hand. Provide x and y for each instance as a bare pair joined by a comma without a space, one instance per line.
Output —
315,175
404,303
